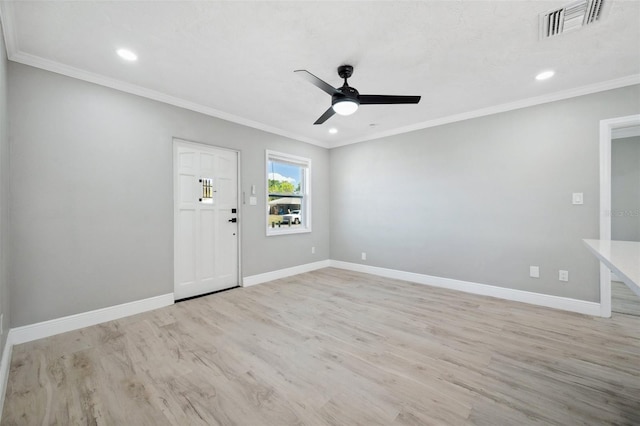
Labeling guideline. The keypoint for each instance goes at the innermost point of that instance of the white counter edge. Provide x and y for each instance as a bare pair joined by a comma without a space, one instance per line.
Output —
634,286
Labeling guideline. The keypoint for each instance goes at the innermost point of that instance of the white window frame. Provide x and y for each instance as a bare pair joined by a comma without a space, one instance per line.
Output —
305,189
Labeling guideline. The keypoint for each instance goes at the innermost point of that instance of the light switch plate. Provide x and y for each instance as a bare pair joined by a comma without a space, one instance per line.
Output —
253,201
578,198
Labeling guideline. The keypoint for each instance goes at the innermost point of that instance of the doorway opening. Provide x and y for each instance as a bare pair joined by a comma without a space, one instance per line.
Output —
609,130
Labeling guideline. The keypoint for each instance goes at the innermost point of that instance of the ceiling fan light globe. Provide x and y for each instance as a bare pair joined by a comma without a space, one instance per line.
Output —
346,107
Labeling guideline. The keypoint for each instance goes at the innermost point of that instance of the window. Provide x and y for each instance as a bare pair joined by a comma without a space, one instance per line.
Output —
288,194
207,191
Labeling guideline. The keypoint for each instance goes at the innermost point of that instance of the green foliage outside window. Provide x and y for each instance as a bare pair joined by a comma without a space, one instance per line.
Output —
282,187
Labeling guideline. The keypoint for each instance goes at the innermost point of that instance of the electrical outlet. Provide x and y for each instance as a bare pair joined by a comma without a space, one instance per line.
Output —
313,250
364,256
577,198
534,271
563,275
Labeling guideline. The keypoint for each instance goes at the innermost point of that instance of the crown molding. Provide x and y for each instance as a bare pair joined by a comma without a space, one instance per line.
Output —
7,19
14,54
524,103
56,67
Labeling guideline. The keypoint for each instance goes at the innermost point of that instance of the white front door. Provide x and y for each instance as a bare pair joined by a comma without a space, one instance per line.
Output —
205,192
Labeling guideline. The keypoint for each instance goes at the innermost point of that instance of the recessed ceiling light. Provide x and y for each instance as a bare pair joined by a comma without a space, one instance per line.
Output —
545,75
126,54
333,130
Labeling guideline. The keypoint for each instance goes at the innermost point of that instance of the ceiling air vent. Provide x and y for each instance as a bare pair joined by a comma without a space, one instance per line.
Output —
569,17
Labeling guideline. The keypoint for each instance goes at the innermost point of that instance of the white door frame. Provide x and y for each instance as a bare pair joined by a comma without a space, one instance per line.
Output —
607,128
240,199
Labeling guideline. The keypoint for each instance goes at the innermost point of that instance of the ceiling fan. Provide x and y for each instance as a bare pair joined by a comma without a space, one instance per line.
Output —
346,99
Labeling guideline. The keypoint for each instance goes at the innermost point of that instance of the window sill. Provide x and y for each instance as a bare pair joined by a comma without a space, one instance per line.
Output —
285,231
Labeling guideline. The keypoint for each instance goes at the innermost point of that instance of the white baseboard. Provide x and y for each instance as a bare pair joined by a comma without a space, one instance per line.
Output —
5,364
283,273
549,301
43,329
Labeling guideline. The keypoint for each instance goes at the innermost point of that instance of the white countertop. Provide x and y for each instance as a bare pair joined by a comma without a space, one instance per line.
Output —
622,257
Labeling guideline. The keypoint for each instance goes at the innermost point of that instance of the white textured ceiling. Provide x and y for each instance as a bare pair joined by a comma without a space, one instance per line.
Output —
235,59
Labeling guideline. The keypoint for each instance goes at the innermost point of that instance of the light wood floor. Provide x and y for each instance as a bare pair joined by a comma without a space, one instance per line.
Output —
624,300
339,348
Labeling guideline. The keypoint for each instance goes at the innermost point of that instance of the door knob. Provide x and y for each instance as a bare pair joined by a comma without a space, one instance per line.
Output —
234,220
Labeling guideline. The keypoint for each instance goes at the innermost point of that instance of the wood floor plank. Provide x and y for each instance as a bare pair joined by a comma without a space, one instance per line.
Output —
624,300
333,347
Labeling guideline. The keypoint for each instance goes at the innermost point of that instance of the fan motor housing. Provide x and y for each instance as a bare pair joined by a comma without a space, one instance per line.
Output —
345,92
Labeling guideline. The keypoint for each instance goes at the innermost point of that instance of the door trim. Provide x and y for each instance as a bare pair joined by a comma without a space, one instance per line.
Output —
606,135
199,145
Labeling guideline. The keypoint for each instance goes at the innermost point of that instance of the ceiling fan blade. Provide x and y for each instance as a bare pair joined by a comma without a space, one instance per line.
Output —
324,117
388,99
316,81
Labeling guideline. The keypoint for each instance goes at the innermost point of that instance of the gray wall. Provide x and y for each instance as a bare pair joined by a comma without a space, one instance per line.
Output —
625,189
483,199
4,197
91,195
